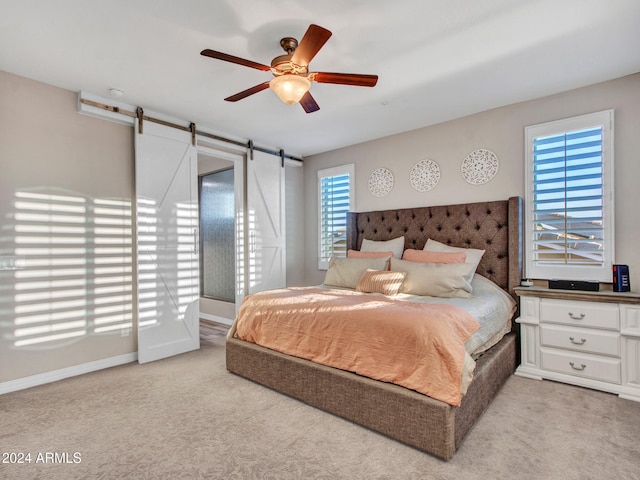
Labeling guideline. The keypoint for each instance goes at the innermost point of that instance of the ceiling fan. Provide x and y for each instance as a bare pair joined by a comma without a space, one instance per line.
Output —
292,78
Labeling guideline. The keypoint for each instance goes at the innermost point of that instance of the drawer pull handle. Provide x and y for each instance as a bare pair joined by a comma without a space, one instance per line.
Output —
576,317
581,342
581,367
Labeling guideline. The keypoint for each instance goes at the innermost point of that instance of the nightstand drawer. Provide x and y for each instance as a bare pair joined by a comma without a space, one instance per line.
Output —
580,339
576,364
583,314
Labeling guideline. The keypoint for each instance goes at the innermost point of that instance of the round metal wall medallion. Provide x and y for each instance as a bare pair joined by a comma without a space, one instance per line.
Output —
380,182
480,166
425,175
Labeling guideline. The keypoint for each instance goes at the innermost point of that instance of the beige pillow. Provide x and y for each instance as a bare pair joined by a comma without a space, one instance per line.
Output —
447,280
346,272
380,281
395,245
360,254
473,255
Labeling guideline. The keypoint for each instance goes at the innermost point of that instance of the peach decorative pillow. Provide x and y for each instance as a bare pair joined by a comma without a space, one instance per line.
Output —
380,281
360,254
422,256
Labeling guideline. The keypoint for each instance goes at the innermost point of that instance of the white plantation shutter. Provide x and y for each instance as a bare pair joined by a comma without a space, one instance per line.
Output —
570,206
335,189
567,184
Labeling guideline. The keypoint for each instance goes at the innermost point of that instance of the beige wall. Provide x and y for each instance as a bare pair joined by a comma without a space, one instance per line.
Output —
47,148
208,164
502,131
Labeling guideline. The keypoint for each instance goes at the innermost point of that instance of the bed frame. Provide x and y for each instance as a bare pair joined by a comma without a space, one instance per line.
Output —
405,415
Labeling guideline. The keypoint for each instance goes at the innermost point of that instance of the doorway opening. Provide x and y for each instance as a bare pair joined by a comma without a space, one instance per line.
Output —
217,182
217,227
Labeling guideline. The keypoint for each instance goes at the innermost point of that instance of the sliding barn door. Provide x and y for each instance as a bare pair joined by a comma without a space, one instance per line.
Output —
167,242
266,223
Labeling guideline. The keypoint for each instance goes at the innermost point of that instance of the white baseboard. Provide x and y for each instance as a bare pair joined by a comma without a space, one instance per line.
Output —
216,318
54,376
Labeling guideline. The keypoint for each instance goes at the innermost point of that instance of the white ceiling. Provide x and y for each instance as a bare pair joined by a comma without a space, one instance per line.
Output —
436,59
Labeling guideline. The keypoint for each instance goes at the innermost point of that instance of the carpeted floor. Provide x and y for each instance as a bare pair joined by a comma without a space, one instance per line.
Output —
187,417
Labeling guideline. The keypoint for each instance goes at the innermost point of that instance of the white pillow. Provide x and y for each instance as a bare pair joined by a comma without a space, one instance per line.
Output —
395,245
447,280
346,272
473,255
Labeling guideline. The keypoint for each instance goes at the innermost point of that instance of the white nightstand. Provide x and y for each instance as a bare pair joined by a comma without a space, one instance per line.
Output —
591,339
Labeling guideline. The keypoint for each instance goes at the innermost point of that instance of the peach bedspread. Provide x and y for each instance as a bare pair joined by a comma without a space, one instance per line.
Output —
419,346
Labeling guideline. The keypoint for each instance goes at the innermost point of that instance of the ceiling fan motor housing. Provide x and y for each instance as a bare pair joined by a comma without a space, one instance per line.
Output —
282,65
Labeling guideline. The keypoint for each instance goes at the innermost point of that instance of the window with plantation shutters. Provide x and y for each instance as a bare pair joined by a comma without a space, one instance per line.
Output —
335,197
569,224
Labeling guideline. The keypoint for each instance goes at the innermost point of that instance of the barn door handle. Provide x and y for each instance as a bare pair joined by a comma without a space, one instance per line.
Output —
195,241
252,241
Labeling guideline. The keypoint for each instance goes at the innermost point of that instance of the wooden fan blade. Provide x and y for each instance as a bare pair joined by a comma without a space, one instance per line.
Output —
313,40
247,92
237,60
308,103
346,79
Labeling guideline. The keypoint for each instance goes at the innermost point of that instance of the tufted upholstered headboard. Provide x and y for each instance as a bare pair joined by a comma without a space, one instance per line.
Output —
492,226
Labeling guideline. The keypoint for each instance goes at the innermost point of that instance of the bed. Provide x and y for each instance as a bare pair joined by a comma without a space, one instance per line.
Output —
401,413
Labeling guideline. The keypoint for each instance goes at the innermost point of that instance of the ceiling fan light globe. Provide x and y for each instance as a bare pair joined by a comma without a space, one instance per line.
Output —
290,88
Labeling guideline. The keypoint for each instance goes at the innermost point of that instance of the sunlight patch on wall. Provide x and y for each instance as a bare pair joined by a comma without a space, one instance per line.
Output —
75,277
